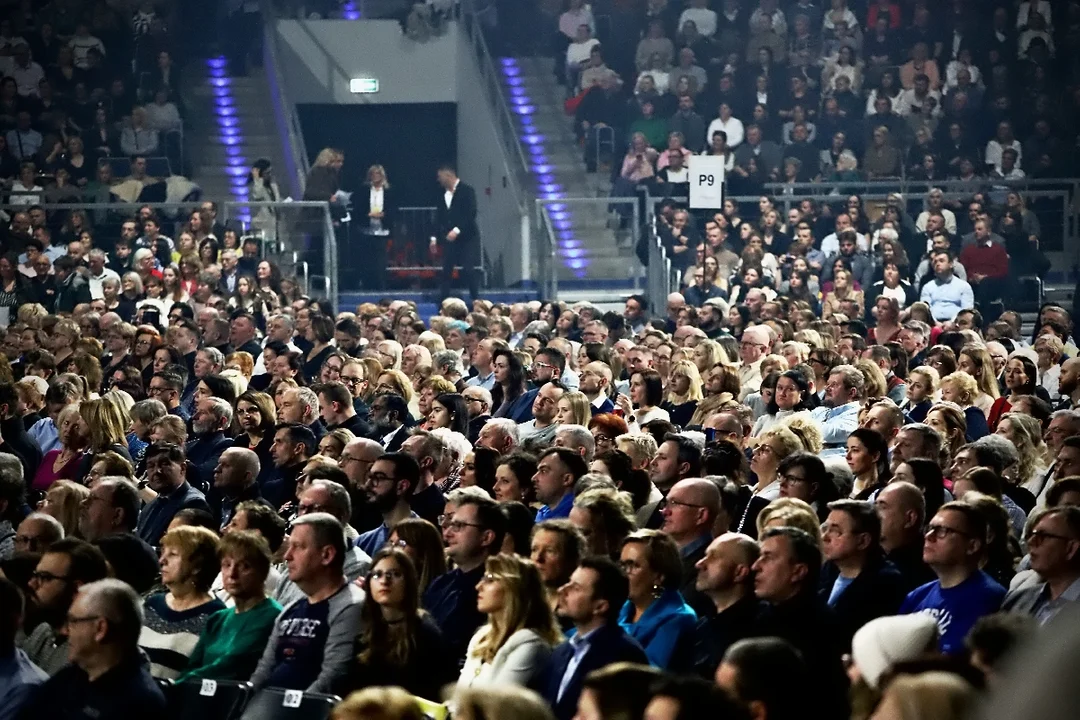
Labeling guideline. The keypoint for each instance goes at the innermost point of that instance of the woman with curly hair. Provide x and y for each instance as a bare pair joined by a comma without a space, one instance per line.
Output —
962,389
1025,433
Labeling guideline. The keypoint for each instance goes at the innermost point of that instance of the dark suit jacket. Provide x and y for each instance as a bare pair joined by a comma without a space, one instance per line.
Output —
610,644
461,215
362,206
878,590
396,441
203,453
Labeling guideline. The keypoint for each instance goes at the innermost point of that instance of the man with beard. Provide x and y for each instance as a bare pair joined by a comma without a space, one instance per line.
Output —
68,565
1069,385
388,414
212,418
388,487
711,317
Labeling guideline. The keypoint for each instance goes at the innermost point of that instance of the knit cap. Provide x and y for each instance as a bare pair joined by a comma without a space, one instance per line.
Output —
885,641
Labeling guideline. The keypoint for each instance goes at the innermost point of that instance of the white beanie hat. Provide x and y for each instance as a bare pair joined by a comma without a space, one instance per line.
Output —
885,641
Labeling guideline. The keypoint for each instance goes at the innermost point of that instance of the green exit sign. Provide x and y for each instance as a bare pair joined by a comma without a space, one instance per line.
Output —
363,86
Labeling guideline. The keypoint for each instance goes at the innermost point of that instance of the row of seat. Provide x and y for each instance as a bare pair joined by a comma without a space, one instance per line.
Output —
232,700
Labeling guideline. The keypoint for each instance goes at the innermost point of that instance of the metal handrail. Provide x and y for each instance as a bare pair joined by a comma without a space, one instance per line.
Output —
285,115
547,254
900,185
490,79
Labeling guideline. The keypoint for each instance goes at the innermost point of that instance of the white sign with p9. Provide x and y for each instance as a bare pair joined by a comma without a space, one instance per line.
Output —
706,182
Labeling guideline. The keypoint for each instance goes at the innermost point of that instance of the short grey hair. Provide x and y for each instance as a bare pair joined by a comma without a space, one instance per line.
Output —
214,356
221,410
481,392
121,606
449,361
1001,448
457,495
508,428
578,436
97,254
930,439
853,378
147,411
288,319
12,487
247,459
339,504
309,398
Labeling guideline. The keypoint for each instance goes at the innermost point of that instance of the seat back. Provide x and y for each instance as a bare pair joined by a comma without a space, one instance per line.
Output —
209,699
278,704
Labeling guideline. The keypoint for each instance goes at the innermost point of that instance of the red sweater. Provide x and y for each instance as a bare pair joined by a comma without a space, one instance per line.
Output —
991,261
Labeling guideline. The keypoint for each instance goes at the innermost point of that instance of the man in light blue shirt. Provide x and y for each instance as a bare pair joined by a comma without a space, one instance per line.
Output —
839,416
946,294
481,363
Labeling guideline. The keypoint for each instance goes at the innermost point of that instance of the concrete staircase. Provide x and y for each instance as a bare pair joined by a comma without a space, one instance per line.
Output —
591,249
231,126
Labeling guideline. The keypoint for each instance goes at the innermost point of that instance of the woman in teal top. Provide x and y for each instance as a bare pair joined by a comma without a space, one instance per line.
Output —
234,638
655,614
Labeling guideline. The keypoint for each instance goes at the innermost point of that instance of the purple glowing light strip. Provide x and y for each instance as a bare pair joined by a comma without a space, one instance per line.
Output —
521,105
229,130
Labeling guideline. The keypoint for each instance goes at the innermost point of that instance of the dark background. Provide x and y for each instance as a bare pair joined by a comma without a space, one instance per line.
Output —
410,141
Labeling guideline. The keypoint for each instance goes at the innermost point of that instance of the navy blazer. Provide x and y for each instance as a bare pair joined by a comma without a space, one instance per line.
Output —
610,644
605,407
520,411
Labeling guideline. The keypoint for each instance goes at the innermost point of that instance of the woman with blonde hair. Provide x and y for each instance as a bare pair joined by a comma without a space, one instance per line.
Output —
64,463
1025,433
843,289
708,353
63,501
772,446
937,694
574,409
960,388
922,387
877,386
512,648
334,442
975,360
396,382
683,391
108,424
948,419
790,512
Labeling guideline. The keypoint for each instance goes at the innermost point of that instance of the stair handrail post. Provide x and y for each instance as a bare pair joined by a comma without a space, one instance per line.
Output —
285,115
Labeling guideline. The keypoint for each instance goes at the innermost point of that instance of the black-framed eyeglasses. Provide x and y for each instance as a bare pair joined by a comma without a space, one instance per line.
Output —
377,477
788,479
44,577
1037,537
668,502
74,620
459,525
940,532
351,381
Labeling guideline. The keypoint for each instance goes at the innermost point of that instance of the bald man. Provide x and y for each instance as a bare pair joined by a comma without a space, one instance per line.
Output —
728,426
691,507
356,460
902,509
1069,384
725,576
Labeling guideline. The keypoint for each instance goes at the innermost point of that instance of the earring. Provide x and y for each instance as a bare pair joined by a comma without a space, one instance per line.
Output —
657,591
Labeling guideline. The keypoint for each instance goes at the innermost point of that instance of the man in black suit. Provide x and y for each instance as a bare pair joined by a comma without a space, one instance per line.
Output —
458,232
591,600
389,412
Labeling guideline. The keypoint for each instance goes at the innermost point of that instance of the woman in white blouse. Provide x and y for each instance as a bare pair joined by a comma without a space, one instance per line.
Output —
643,405
513,647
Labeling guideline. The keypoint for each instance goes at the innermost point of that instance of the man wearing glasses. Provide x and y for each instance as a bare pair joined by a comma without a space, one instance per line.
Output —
1054,548
354,377
68,565
387,488
963,593
478,403
473,534
689,511
105,678
166,475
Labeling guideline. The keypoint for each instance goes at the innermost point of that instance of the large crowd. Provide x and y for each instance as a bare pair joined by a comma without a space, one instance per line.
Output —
825,480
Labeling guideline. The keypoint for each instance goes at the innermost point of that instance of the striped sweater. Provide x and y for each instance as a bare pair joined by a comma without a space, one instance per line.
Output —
168,637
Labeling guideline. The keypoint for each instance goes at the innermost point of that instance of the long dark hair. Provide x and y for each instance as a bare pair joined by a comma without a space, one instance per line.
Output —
515,384
929,478
875,444
380,641
459,413
485,461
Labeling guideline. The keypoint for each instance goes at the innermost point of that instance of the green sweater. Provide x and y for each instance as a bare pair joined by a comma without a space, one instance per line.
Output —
232,643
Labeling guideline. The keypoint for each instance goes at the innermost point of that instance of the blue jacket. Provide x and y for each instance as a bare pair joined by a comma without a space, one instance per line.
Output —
605,407
664,627
608,644
158,513
520,411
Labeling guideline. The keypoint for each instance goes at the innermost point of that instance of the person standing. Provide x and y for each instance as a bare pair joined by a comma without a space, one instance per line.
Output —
377,211
458,232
